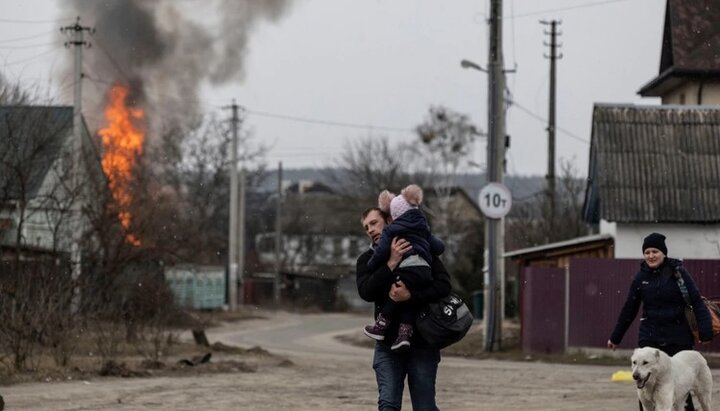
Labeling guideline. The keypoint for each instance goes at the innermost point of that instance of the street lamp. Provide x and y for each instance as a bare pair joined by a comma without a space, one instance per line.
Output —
469,64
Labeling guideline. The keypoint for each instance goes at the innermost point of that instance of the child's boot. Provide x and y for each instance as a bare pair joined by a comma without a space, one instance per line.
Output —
377,330
402,342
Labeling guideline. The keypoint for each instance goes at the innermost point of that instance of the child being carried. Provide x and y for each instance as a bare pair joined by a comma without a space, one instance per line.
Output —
409,223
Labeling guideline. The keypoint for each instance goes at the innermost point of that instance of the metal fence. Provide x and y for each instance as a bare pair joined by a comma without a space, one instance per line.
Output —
578,307
197,287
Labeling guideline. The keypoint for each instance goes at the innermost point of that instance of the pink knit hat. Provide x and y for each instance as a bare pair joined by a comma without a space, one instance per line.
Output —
410,198
398,206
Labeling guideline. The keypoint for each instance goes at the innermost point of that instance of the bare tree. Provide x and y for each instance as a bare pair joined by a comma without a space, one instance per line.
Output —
446,142
370,165
181,192
530,222
152,311
13,93
447,139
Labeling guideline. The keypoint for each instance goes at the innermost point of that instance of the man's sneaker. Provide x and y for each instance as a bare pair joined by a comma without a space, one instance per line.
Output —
377,330
402,342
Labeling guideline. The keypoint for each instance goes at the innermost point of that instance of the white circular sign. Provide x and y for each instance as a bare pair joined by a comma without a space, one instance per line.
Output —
495,200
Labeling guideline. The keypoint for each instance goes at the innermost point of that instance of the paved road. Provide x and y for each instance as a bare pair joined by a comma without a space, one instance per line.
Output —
329,375
297,335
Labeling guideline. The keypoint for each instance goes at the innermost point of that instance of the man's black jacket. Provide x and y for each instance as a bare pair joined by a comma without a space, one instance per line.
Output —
374,286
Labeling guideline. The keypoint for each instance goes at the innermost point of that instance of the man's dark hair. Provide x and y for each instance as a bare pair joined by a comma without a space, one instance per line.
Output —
369,210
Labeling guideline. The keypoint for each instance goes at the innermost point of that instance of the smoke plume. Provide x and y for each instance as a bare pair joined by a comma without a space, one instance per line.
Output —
165,49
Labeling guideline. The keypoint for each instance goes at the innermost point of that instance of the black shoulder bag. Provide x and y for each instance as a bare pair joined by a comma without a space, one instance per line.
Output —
444,322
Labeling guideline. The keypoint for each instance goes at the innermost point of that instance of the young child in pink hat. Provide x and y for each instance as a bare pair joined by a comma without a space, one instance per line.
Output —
409,223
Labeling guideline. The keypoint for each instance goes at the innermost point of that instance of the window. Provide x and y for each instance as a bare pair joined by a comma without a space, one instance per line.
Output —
337,248
266,244
311,243
354,247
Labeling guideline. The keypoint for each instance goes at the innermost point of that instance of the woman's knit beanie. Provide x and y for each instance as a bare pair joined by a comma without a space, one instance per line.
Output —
655,240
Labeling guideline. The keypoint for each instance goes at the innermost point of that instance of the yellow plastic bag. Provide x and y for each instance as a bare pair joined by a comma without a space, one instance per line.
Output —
619,376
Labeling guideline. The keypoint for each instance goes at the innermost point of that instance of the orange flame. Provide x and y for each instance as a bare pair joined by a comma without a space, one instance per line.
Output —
123,143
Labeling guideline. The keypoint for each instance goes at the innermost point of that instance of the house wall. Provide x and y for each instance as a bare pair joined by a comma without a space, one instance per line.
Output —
38,229
45,226
688,94
683,240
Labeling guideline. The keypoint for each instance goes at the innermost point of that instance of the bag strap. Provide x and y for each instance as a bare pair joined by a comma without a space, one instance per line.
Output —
683,289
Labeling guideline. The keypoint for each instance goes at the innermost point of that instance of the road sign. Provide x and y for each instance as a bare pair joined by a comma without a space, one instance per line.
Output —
495,200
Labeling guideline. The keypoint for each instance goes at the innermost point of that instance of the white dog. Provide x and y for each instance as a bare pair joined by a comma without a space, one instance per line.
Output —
664,382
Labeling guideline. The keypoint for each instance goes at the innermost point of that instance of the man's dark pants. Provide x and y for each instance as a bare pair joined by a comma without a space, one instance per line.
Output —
420,365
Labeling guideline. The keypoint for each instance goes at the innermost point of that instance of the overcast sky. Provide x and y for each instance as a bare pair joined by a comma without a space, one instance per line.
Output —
380,64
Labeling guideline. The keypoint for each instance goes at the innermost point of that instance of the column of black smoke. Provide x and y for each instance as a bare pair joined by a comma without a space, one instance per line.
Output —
156,48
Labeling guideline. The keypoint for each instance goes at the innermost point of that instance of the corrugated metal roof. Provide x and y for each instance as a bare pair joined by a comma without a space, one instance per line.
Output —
654,164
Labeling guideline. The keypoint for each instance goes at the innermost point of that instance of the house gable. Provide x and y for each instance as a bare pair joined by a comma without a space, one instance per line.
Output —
691,38
36,143
31,138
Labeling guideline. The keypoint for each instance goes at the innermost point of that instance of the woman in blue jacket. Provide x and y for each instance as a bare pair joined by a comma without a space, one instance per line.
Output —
663,324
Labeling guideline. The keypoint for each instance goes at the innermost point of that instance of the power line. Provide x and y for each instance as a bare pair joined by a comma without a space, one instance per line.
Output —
579,6
29,46
328,122
27,37
52,50
35,21
514,102
113,61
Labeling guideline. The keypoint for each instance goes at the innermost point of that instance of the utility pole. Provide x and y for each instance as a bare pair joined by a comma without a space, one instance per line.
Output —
494,228
278,236
553,56
241,238
77,230
233,212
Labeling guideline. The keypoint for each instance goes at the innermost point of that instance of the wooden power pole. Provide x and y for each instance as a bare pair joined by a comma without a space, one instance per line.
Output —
494,232
236,234
278,236
553,56
78,42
